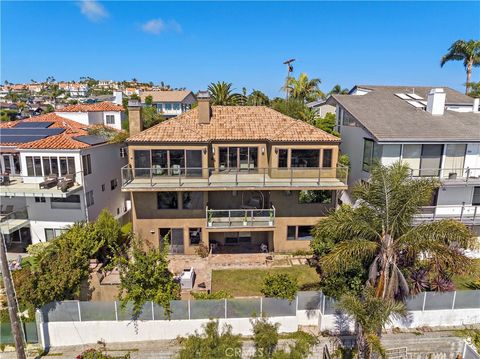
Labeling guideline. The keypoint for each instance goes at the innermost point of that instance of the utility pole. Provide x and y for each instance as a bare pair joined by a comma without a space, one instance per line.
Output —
11,302
289,70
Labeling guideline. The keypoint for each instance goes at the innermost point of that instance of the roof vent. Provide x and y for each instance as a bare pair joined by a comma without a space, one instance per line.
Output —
436,101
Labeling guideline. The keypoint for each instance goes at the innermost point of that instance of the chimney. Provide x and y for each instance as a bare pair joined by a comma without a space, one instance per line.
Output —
476,103
204,111
135,120
436,101
118,97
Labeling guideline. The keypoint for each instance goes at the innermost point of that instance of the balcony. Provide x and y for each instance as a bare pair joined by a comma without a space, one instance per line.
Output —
449,176
240,218
27,186
13,221
467,214
159,179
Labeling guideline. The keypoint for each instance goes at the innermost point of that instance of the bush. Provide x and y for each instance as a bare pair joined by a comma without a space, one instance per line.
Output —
280,285
98,354
221,294
265,337
202,250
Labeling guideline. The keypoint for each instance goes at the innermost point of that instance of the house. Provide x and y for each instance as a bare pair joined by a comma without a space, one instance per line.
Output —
74,89
170,103
129,91
436,131
238,179
321,107
53,173
100,113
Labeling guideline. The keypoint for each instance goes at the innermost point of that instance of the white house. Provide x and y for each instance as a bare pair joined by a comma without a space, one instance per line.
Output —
101,113
436,131
170,103
321,107
53,174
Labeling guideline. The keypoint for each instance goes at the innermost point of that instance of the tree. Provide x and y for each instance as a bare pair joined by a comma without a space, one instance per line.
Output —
371,315
378,234
146,277
466,51
295,109
328,124
151,117
258,98
303,88
337,89
212,343
149,100
474,89
222,94
280,285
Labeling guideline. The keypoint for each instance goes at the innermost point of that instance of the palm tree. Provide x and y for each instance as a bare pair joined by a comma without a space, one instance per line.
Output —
303,88
378,231
466,51
371,314
221,93
337,89
258,98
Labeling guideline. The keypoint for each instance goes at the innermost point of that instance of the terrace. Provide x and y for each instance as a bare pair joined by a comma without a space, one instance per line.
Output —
449,176
28,186
467,214
158,179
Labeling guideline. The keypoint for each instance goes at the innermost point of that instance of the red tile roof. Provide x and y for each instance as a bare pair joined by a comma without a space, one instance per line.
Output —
62,141
92,107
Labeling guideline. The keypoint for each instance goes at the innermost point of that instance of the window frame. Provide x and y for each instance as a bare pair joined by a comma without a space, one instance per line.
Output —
87,164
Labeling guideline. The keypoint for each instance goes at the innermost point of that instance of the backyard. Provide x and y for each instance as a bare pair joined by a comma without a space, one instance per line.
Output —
248,282
465,281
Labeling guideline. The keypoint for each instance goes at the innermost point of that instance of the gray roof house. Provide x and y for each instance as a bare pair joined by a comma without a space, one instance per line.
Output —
435,130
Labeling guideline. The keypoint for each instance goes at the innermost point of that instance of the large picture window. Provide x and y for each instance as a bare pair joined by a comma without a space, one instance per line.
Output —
168,162
282,158
371,152
238,158
70,202
299,233
167,200
305,158
45,166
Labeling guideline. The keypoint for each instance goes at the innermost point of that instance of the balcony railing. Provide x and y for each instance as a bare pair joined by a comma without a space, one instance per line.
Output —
38,186
11,221
449,174
468,214
237,218
196,177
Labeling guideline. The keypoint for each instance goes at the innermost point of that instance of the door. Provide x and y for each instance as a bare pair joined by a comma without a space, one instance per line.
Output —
431,160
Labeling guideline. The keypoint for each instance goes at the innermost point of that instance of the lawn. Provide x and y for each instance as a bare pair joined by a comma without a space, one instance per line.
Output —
463,282
248,282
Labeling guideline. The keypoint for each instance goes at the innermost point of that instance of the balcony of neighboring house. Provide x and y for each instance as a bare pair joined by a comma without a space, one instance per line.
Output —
52,185
14,226
467,214
194,178
449,176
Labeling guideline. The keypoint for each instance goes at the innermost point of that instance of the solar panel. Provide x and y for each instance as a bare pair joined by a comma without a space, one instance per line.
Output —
23,124
416,104
13,131
91,140
415,96
423,102
402,96
20,139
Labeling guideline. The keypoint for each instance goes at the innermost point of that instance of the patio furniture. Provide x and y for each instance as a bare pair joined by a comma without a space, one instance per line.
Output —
49,181
66,182
175,170
157,170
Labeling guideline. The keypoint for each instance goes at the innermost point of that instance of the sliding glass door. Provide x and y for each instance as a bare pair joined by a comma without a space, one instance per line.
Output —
238,159
431,160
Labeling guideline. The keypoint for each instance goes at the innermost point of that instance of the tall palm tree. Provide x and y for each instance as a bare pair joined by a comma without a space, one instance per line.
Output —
466,51
337,89
303,88
222,94
258,98
378,231
371,315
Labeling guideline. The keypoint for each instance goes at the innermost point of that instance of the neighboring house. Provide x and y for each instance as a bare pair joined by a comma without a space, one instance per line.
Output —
129,91
53,174
101,113
170,103
74,89
435,131
239,179
321,107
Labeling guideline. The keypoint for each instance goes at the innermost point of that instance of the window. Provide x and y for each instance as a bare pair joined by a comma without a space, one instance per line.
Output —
70,202
176,106
195,236
110,119
299,233
431,160
282,158
90,200
159,107
174,236
34,166
476,196
63,166
113,184
305,158
51,233
40,200
167,200
192,200
103,187
348,120
327,158
123,152
371,153
306,197
238,158
87,164
142,162
168,106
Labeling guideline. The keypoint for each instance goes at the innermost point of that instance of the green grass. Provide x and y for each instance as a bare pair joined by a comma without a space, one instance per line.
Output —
464,281
248,282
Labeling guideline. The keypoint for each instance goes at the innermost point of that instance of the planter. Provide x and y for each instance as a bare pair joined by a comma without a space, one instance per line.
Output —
270,223
210,224
245,223
452,175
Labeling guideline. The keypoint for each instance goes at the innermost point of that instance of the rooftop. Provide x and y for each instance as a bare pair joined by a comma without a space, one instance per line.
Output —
166,96
92,107
389,118
234,123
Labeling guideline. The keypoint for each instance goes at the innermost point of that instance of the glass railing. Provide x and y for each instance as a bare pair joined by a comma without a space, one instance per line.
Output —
230,218
468,214
215,177
459,174
12,219
18,183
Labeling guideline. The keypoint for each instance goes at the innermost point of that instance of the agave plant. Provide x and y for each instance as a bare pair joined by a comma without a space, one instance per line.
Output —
442,284
419,281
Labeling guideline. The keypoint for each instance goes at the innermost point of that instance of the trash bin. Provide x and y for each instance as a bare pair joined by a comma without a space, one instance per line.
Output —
187,278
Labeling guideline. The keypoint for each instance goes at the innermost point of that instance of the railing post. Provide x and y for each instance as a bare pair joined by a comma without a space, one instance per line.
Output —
225,301
151,177
453,301
319,175
461,212
424,300
79,311
180,177
264,175
261,306
153,311
229,219
236,177
116,310
208,176
291,176
468,174
474,214
189,309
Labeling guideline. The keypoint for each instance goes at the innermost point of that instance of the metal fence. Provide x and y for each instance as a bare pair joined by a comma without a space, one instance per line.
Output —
240,307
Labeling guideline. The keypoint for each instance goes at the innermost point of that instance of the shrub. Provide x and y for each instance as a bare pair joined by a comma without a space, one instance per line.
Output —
202,250
280,285
221,294
265,337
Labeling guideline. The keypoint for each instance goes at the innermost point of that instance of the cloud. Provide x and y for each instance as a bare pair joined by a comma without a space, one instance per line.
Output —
93,10
157,26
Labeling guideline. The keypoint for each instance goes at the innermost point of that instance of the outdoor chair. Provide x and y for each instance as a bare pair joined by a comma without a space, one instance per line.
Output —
66,182
49,181
5,179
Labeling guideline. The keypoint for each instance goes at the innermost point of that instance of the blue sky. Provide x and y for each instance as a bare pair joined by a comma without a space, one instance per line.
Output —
190,44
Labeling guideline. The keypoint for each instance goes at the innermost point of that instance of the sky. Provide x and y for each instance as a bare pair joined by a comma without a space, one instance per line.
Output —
191,44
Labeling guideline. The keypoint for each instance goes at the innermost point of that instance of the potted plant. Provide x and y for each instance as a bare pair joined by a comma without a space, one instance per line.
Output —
210,218
245,219
270,221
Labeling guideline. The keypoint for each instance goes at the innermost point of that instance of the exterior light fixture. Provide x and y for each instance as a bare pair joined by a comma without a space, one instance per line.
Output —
276,150
263,150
